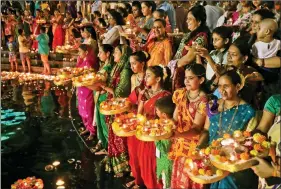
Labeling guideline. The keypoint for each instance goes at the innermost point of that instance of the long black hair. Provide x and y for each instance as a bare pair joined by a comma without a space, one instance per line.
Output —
164,73
117,17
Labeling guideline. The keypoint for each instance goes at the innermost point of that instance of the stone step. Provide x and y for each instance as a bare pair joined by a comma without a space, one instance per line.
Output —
53,63
52,55
34,69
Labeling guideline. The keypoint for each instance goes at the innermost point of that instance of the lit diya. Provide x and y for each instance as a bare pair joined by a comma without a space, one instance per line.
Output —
200,169
238,152
115,106
9,75
60,182
87,79
125,125
70,161
154,130
49,168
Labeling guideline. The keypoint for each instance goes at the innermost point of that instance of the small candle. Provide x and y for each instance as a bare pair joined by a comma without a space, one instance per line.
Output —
191,165
61,187
128,23
227,142
59,182
56,163
232,157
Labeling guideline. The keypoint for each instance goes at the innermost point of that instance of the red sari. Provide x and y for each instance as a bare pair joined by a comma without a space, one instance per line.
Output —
147,150
58,33
133,143
36,31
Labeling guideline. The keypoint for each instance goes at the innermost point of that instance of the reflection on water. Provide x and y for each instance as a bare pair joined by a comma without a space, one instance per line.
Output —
37,129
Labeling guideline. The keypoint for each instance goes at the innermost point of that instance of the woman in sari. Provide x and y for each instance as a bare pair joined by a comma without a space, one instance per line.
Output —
58,31
116,22
270,125
85,95
119,85
138,63
226,115
106,59
89,36
190,114
138,16
238,56
199,35
27,21
68,22
159,48
156,79
36,27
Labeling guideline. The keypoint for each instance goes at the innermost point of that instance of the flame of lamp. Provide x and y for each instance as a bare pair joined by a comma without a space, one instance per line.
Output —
56,163
191,165
232,157
59,182
227,142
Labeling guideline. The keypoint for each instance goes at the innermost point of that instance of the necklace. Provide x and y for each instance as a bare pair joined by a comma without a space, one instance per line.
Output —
139,79
153,93
189,97
220,132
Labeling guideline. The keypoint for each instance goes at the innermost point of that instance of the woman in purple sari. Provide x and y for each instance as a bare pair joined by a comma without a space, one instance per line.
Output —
84,95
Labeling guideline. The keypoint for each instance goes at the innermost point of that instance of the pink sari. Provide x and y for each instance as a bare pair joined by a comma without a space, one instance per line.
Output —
85,96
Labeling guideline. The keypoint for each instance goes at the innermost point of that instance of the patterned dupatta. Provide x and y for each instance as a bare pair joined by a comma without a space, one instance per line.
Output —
118,67
183,42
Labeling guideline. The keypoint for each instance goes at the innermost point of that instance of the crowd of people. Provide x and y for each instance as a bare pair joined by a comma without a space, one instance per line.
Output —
224,72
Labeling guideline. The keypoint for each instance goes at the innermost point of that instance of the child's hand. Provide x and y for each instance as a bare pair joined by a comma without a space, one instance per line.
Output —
203,52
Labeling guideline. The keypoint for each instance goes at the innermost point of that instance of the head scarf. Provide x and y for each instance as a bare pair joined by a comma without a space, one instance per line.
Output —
123,63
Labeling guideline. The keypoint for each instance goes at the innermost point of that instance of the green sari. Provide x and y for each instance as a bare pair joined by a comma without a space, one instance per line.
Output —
102,129
119,80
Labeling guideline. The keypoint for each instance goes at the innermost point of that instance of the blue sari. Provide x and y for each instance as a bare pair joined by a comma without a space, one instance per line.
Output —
243,179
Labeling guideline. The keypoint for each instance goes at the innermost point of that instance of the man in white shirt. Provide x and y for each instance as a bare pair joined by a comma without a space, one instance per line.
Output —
213,13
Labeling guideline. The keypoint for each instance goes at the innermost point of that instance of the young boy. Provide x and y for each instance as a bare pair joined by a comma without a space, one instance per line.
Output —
11,44
24,50
43,49
164,110
266,46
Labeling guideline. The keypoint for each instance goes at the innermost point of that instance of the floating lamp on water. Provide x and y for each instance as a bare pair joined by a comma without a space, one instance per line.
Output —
49,167
60,182
56,163
70,161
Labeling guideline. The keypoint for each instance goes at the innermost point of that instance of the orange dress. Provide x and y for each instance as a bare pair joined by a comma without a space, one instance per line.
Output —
160,52
182,147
